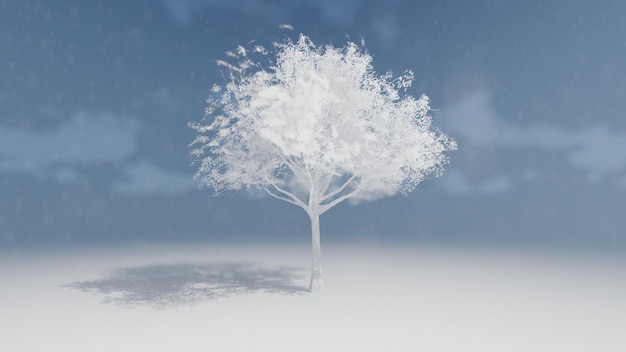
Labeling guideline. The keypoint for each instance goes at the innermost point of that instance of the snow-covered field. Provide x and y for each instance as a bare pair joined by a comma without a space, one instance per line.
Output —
234,298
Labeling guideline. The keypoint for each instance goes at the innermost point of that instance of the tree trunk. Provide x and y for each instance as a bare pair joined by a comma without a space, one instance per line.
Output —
316,285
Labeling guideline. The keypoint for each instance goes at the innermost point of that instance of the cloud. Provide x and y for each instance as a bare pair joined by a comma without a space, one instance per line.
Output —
88,139
455,183
67,175
162,98
495,185
184,11
622,183
144,178
598,150
338,12
85,139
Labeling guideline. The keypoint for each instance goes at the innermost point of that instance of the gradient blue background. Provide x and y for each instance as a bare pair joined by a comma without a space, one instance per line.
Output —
95,97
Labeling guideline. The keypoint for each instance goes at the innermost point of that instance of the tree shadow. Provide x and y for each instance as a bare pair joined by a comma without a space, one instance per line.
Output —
163,286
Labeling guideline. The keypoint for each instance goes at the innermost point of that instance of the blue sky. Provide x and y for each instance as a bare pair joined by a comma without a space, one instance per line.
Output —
95,98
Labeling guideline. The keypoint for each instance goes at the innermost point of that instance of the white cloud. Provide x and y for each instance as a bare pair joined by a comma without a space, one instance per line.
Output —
622,182
455,183
495,185
67,175
145,178
338,12
85,139
183,11
162,98
598,151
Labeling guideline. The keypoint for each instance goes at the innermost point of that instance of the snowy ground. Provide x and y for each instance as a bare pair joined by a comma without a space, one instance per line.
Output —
229,298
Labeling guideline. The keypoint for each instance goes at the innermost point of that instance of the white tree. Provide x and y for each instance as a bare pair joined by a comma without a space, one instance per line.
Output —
315,128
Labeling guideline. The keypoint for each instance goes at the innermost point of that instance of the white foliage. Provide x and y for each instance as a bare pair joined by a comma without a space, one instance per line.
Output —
317,127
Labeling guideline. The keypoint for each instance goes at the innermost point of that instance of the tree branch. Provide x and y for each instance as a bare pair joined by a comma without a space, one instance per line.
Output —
338,190
287,196
327,182
280,197
292,165
325,207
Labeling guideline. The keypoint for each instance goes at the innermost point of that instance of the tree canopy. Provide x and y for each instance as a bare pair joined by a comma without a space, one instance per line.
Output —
316,127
